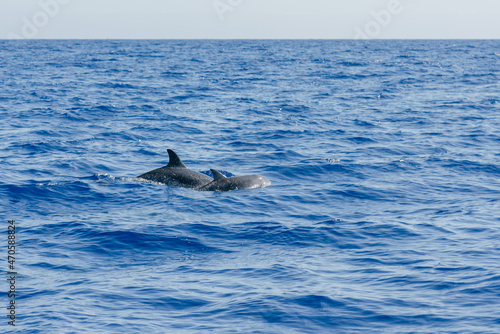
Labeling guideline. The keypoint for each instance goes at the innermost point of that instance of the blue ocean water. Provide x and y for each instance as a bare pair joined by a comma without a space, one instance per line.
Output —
383,215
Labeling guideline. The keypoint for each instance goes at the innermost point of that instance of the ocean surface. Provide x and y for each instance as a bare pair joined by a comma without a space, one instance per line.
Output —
383,215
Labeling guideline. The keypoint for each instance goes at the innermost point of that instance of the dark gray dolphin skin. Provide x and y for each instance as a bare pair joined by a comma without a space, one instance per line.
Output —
175,174
223,183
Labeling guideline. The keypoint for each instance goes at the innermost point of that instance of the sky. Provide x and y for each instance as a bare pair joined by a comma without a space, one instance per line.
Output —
250,19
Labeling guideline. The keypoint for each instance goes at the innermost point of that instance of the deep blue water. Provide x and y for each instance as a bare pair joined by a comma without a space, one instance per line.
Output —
383,215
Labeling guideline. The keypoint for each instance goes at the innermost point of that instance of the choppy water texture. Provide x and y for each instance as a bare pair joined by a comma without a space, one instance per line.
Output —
383,215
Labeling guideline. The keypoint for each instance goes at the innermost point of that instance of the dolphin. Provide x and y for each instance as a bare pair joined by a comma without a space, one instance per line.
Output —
223,183
176,174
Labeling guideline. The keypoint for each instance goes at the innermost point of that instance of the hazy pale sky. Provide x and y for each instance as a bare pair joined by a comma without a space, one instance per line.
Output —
239,19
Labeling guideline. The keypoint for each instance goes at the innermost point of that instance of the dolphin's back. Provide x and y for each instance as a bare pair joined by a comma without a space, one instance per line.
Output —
176,174
177,177
222,183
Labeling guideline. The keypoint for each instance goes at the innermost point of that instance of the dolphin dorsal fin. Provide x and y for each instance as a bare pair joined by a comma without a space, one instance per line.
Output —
217,175
174,160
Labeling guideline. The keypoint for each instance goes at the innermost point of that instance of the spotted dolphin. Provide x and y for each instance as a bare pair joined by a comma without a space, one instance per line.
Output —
223,183
176,174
